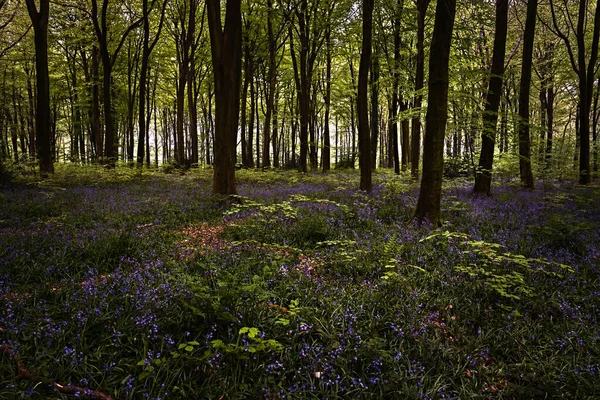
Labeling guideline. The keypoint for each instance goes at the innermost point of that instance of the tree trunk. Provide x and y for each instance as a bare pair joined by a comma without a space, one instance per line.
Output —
39,20
364,141
244,108
524,139
144,76
326,134
419,77
275,138
272,81
483,178
249,149
226,49
428,205
374,111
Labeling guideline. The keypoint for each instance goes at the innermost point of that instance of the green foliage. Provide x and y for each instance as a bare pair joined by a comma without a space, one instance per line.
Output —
507,274
141,291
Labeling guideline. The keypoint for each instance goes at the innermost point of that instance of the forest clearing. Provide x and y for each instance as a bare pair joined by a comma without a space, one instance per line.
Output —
132,285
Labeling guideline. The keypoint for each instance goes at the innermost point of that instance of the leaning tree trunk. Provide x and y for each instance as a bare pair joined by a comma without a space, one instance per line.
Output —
483,178
226,50
524,139
39,20
364,141
428,205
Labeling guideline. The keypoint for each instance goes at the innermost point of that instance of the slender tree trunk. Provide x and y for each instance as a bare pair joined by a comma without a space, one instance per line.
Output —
226,49
253,106
374,111
419,78
244,108
272,81
326,134
276,141
39,20
595,127
364,141
428,205
483,178
524,137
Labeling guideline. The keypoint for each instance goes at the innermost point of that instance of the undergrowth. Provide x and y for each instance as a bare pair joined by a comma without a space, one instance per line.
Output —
133,285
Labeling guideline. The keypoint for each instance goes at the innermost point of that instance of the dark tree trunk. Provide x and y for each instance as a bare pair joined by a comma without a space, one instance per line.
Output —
483,178
549,122
276,141
524,137
428,205
374,111
364,141
595,116
244,108
39,20
405,136
144,76
226,49
326,134
249,149
419,77
102,33
133,65
394,157
92,79
272,81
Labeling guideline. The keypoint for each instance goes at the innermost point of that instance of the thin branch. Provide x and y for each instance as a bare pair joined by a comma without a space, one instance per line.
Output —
69,389
565,39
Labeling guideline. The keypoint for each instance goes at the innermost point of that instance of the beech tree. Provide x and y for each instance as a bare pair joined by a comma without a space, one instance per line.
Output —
430,193
524,89
418,97
483,178
585,68
147,49
108,58
364,140
226,49
39,19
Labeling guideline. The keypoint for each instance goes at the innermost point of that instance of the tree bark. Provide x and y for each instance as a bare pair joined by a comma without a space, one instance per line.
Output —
108,60
483,178
146,52
524,139
364,140
326,133
428,205
39,20
226,49
419,77
272,81
374,111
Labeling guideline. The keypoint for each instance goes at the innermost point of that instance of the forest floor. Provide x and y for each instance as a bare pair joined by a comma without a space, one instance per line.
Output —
132,285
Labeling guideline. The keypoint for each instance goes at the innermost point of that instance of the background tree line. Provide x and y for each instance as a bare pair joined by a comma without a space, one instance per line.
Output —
135,81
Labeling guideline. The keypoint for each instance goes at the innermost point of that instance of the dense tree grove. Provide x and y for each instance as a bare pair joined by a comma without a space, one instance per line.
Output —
141,75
